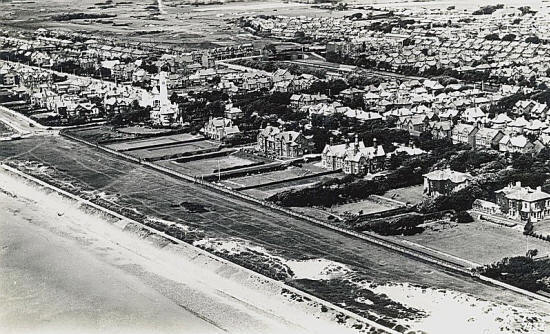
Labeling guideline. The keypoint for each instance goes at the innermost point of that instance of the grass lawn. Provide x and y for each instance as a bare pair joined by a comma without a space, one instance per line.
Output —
207,166
277,175
410,195
98,134
167,151
542,227
480,242
142,143
366,206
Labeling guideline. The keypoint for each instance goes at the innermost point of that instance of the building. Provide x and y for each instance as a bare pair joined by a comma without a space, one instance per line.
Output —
464,134
163,112
233,113
488,138
523,203
353,158
282,144
515,144
442,130
444,182
219,128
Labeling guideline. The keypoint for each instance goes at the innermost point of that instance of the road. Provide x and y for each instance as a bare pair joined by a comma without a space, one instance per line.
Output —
225,218
23,125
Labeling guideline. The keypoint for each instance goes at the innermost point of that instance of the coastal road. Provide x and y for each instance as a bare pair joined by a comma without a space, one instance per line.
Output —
226,218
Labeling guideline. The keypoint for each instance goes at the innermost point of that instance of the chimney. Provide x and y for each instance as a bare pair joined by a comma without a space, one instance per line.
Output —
518,184
331,141
539,188
374,144
356,140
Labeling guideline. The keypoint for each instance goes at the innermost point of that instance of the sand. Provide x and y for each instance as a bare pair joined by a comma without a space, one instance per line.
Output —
66,271
447,311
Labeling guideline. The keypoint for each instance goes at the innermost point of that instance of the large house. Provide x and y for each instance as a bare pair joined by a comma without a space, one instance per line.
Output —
353,158
298,101
442,130
414,124
464,134
444,182
488,138
515,144
523,203
283,144
219,128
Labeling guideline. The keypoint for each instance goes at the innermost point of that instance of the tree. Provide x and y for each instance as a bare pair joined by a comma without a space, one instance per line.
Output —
509,37
463,217
533,39
528,228
532,253
522,162
492,37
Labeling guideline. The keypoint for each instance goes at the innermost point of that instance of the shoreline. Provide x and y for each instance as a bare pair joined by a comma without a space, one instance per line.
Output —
237,280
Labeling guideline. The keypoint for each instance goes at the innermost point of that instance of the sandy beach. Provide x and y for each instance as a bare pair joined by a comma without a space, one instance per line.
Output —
65,269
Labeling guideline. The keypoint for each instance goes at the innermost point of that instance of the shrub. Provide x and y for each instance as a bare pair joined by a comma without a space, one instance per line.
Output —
463,217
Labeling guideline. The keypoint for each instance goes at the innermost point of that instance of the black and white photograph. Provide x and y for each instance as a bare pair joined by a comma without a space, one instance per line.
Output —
274,167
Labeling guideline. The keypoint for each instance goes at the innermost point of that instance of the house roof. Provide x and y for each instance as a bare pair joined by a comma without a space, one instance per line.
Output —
448,175
526,194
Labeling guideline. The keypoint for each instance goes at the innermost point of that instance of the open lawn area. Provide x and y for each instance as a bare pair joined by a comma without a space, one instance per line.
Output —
169,151
98,134
366,206
277,175
542,228
479,242
206,166
148,142
411,195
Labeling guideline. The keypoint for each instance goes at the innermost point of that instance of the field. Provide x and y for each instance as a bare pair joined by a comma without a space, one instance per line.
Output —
370,205
263,192
98,134
206,166
412,195
170,151
271,235
159,23
147,142
481,242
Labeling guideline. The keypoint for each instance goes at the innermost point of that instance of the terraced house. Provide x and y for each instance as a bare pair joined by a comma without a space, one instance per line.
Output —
282,144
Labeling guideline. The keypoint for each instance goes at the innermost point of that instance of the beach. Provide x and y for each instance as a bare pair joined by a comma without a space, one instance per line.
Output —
65,269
